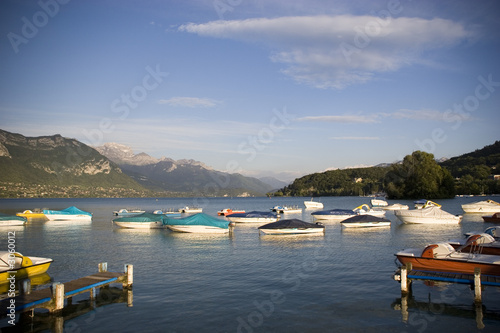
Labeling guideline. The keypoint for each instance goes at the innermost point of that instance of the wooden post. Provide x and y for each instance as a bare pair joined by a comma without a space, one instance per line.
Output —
404,281
58,295
129,269
93,293
477,285
103,267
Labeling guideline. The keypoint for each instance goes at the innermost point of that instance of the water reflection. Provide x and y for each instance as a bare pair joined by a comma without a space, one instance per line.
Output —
428,310
26,285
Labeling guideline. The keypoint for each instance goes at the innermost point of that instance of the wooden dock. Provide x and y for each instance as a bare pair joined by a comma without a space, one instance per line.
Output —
406,274
53,298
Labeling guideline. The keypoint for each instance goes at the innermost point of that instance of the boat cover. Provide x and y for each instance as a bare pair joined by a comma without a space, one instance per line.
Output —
365,218
5,217
335,212
291,224
429,212
144,217
197,219
253,214
68,211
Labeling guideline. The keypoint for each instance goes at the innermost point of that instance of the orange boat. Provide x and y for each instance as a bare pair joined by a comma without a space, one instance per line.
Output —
442,257
227,211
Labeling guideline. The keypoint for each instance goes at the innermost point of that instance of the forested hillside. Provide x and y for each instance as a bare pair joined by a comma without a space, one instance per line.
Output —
417,176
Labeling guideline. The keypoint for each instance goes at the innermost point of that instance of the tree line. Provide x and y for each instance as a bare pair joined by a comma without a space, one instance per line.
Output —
417,176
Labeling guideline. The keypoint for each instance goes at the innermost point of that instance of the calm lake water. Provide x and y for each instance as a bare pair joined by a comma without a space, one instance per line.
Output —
246,282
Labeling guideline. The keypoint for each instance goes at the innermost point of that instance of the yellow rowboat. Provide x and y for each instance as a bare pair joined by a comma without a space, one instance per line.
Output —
32,214
14,264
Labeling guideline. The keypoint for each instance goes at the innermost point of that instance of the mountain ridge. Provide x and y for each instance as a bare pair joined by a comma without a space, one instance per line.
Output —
186,175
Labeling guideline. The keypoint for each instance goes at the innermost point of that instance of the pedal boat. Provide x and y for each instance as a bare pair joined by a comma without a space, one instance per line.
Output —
19,266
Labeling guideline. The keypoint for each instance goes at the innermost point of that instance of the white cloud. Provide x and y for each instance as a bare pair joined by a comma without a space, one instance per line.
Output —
337,51
341,119
350,138
191,102
418,114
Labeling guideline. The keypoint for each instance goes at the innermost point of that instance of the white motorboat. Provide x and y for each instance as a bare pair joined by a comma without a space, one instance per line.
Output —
191,210
141,221
286,209
292,226
365,209
486,206
396,206
198,229
431,213
378,202
311,204
128,212
253,217
69,214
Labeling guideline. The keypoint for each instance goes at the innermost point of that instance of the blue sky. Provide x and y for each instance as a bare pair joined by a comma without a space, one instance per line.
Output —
264,88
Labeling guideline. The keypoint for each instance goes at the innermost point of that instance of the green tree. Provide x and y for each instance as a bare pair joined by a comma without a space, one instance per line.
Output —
419,176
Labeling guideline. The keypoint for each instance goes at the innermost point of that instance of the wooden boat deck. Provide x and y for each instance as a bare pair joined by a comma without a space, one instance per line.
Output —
44,298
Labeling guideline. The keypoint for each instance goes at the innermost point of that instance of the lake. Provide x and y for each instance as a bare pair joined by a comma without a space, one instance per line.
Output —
339,281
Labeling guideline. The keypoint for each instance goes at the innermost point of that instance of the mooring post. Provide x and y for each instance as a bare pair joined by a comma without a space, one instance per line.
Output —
404,281
129,269
58,295
477,285
103,267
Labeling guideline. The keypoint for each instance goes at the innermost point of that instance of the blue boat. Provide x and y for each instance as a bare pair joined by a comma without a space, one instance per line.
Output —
71,213
198,223
141,221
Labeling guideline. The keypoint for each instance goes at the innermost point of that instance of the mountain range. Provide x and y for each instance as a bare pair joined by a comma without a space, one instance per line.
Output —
181,175
58,166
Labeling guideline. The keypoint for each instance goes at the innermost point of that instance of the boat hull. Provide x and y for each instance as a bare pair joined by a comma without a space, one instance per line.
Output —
38,266
67,217
140,225
449,265
30,214
491,219
292,231
366,224
7,223
199,229
423,220
332,217
252,219
313,205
